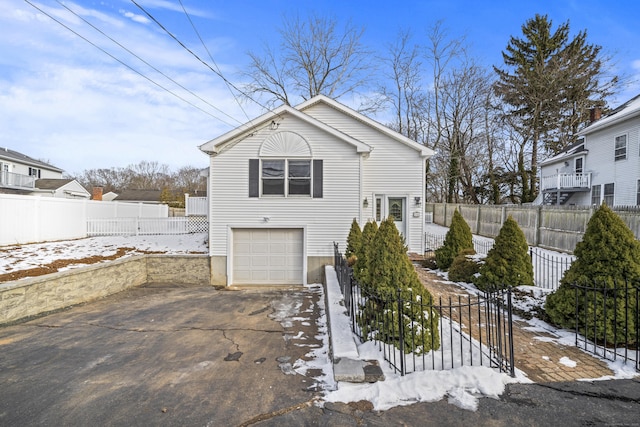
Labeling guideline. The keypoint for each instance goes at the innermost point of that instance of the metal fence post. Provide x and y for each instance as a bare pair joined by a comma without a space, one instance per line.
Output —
401,333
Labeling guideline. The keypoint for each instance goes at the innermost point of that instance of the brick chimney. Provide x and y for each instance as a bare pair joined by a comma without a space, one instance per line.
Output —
97,193
595,113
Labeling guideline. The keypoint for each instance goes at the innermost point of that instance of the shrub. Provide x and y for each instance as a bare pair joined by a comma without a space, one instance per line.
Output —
354,240
464,267
458,238
508,262
361,266
391,271
607,257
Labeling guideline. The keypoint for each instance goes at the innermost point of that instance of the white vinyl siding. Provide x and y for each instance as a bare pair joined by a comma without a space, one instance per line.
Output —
391,170
327,219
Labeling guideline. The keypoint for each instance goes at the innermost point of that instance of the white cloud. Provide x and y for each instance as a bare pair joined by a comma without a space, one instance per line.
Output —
136,18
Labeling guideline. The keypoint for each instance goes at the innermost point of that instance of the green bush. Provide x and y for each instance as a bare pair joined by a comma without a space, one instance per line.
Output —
458,238
464,267
508,262
354,240
391,270
361,266
607,257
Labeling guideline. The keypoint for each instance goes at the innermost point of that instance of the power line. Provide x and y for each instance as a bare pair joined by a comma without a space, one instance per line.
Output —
148,64
212,60
122,62
196,56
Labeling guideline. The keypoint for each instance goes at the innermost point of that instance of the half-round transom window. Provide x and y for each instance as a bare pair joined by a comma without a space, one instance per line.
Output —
285,144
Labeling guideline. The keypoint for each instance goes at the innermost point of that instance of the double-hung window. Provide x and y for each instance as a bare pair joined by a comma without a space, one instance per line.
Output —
285,177
595,194
609,190
621,148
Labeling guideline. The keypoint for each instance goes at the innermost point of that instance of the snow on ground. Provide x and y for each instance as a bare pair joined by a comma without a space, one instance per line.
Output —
23,257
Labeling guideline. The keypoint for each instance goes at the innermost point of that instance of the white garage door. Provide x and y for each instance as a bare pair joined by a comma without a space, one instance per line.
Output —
267,256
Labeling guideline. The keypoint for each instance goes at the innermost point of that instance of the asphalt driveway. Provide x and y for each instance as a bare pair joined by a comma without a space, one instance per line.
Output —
163,355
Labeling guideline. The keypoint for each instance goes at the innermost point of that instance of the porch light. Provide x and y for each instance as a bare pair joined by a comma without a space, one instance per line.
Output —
365,203
417,200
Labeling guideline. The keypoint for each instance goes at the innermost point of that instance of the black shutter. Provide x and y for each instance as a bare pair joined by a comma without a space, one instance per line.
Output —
254,177
317,179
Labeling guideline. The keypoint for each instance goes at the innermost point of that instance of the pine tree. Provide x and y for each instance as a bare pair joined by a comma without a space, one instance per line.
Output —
607,257
391,271
550,84
354,242
361,267
458,237
508,263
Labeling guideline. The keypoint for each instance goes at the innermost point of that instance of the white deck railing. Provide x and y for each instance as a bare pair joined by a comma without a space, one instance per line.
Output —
565,181
10,179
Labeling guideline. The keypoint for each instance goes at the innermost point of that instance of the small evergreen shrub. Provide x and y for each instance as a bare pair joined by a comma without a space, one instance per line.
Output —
607,257
390,271
458,238
354,240
464,267
508,263
361,266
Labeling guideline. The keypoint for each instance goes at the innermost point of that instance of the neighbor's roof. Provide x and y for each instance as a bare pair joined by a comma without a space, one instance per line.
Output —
217,145
139,196
51,184
6,153
628,110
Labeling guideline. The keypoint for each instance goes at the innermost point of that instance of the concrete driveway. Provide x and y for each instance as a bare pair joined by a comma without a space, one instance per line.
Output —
162,355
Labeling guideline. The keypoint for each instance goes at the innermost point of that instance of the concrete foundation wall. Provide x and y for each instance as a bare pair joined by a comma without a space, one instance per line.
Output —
315,268
36,295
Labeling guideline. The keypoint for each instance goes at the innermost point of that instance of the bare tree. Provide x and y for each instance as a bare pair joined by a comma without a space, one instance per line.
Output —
314,57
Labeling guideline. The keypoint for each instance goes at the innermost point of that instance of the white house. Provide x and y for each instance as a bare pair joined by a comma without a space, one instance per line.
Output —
286,185
604,165
19,172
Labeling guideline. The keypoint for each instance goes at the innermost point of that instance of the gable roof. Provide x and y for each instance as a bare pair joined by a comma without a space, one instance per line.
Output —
574,149
218,145
628,110
51,184
6,153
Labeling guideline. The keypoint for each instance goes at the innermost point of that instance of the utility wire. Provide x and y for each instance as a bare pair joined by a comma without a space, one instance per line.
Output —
121,62
196,56
148,64
213,60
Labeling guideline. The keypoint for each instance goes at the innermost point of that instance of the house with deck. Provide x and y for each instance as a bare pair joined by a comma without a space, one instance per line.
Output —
286,185
604,165
19,172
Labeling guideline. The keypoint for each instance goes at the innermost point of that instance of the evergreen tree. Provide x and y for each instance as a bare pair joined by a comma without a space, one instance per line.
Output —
354,242
361,267
464,267
391,271
607,257
550,84
508,263
458,237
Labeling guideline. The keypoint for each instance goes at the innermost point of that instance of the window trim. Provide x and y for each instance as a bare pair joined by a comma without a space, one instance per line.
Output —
315,178
593,188
610,195
617,151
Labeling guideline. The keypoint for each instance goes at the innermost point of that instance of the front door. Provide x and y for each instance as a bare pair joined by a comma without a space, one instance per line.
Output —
396,209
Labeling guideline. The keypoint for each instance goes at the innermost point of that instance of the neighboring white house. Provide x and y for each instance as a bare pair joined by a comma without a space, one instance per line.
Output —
286,185
66,188
604,165
19,172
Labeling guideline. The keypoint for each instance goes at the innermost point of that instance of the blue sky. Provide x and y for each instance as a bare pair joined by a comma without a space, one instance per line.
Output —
64,101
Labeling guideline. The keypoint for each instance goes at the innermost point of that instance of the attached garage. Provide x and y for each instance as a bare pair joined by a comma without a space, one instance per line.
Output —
271,256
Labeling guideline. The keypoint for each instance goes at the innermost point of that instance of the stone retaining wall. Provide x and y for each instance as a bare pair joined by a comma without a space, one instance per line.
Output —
32,296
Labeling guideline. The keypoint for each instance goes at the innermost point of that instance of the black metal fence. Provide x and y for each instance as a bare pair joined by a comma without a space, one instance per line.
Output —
607,321
548,269
434,241
474,330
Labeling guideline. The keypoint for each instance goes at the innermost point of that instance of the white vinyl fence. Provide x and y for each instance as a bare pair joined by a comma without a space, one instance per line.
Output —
29,219
144,226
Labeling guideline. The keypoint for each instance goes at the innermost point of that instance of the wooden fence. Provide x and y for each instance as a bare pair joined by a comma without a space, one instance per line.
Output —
559,228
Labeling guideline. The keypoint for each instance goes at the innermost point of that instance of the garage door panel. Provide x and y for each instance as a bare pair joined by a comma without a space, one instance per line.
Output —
267,256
